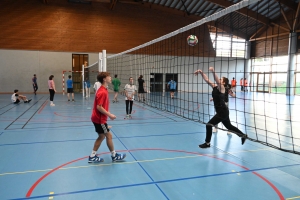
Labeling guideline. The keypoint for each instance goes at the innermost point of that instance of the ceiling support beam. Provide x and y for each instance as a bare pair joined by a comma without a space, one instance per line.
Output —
244,11
296,17
285,18
259,31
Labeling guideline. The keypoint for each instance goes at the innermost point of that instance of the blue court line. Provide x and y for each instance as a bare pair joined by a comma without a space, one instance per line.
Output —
94,139
1,133
157,182
141,167
22,113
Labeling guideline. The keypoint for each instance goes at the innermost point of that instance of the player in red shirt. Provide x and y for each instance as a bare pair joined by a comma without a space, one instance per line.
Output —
233,84
99,119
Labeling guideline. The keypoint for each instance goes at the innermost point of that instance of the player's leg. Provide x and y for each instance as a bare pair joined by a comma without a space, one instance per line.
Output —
114,155
130,108
234,129
127,108
212,122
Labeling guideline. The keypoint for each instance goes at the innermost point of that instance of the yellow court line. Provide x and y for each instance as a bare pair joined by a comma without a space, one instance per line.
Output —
141,161
298,197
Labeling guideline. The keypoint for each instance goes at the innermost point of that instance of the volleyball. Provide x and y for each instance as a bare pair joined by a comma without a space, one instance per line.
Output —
192,40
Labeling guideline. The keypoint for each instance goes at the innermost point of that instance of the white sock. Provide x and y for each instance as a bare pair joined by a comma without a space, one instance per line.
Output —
113,153
93,153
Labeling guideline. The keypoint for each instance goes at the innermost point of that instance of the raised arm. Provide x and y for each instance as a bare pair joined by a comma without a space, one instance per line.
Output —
199,71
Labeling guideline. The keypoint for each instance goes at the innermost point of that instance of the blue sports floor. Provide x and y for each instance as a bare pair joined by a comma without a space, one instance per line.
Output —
44,151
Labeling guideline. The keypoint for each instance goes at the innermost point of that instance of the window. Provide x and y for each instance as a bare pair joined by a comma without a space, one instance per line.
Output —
228,45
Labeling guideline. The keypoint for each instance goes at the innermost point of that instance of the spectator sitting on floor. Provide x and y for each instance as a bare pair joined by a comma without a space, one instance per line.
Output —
16,98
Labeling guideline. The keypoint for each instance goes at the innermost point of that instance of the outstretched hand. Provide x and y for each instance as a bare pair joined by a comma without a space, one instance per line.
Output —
199,71
211,69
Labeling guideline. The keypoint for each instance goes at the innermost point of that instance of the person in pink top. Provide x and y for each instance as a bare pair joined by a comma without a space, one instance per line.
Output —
99,117
52,90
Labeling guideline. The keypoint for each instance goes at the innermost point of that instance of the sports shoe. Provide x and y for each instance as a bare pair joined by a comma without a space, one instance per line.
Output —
129,116
52,104
113,101
244,137
73,100
29,100
228,133
204,145
68,99
118,157
95,159
215,130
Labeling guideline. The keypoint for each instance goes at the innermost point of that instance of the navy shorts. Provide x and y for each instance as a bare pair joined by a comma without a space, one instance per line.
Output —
70,90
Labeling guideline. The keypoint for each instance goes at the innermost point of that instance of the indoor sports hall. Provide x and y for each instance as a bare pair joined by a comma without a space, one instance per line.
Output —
214,88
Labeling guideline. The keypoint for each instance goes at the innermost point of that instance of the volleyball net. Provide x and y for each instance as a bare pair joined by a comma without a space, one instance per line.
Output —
265,104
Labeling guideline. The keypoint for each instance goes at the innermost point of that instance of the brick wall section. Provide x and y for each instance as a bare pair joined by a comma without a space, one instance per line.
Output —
72,27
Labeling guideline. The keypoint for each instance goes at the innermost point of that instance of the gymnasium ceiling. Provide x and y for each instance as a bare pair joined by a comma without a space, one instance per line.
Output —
262,15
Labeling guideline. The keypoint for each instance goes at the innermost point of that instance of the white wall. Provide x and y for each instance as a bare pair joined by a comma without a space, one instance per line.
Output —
18,66
134,65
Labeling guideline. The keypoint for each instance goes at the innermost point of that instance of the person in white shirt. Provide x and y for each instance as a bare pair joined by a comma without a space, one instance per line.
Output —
16,98
97,85
130,90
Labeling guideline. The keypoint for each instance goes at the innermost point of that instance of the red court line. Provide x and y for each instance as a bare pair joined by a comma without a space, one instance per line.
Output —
182,151
43,106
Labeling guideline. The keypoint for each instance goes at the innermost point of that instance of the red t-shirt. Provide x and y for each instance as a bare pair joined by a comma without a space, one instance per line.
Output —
101,99
233,83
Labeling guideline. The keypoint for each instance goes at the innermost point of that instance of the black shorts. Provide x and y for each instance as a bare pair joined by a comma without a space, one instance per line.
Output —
141,90
172,90
101,128
17,101
116,90
70,90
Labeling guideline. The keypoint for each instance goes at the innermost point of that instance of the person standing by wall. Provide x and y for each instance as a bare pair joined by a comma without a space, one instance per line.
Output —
233,85
116,83
129,96
87,86
52,90
172,87
34,84
70,88
242,84
245,85
141,90
97,85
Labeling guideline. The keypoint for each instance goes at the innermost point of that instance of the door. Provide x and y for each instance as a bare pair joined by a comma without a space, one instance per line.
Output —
156,82
263,82
77,61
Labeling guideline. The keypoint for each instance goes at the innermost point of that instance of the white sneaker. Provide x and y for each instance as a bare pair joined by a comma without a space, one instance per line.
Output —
215,130
52,104
228,133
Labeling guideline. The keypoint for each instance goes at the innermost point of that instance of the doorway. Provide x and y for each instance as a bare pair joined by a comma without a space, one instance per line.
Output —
77,61
156,82
262,81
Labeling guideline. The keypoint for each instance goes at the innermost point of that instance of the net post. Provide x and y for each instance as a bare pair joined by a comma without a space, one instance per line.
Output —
291,63
100,67
82,80
63,82
104,60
